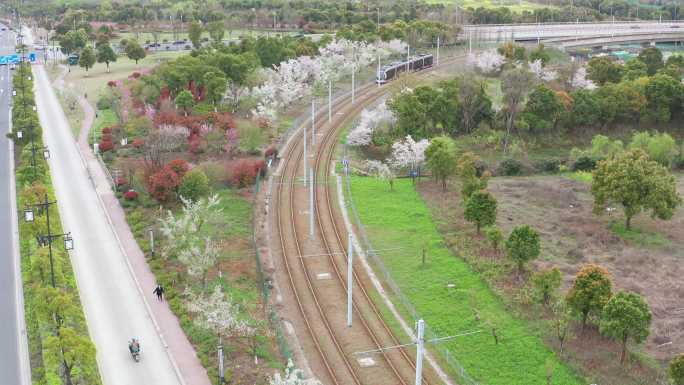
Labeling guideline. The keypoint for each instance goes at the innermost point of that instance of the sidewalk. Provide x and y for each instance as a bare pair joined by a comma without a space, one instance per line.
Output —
169,328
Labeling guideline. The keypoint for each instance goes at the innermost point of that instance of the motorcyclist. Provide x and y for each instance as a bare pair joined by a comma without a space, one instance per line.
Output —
134,346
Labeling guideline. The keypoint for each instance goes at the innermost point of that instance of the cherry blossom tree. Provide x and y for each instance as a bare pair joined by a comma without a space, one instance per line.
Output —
362,134
579,80
408,154
537,68
217,312
199,261
180,231
293,376
487,62
381,171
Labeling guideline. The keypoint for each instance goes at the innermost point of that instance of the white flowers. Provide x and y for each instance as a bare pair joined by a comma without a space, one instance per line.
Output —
408,154
293,376
579,80
537,68
217,312
487,62
362,134
294,79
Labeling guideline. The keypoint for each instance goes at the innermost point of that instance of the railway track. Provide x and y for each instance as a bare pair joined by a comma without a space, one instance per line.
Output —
314,267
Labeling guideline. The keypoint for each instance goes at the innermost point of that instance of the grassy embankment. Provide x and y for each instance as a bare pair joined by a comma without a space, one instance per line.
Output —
400,219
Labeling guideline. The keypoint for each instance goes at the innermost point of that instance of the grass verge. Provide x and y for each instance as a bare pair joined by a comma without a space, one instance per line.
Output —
448,294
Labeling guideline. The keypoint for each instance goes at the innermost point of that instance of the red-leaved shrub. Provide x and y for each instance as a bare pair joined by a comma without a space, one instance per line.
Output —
106,145
243,172
271,151
106,131
131,195
138,143
121,181
135,75
179,166
111,83
162,184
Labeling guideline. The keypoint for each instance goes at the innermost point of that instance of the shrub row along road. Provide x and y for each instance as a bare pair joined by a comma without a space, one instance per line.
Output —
314,269
13,350
114,308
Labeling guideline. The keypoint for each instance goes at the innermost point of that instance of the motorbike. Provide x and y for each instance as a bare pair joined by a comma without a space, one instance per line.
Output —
135,350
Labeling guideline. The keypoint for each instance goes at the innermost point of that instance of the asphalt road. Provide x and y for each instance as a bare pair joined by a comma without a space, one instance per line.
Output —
114,308
13,356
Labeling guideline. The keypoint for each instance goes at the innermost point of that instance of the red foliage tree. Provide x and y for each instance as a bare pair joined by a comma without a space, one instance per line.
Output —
221,120
131,195
243,172
135,75
111,83
138,143
162,184
107,131
179,166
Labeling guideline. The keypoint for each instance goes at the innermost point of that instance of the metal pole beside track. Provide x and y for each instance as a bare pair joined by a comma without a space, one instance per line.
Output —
350,271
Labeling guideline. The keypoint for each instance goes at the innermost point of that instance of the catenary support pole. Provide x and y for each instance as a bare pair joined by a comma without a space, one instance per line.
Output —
419,351
305,160
311,203
350,270
313,123
437,58
354,83
470,42
220,363
329,100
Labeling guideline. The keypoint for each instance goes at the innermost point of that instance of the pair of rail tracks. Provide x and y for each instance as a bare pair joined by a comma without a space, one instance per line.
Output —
302,256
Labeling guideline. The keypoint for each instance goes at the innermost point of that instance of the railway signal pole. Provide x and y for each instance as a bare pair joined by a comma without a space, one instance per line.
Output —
420,345
350,271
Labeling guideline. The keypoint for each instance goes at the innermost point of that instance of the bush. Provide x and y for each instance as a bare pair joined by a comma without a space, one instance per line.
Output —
584,163
195,185
162,184
244,171
271,151
179,166
138,143
103,103
131,195
106,145
107,131
548,165
509,167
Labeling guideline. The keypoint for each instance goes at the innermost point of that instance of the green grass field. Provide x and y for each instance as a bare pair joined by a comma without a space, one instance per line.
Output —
105,118
400,219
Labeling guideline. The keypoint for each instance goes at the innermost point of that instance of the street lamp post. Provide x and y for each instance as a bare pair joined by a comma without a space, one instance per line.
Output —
46,240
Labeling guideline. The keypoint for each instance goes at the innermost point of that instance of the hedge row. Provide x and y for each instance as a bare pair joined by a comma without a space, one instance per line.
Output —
60,348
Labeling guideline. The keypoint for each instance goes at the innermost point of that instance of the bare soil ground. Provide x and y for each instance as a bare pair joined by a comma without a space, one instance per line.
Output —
648,260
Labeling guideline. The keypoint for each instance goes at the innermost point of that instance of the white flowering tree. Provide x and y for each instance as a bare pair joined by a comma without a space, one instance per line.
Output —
217,312
198,260
292,376
381,171
181,230
370,120
537,68
579,80
407,154
487,62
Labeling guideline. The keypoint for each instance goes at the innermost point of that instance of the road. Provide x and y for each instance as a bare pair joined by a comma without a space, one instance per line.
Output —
113,305
13,350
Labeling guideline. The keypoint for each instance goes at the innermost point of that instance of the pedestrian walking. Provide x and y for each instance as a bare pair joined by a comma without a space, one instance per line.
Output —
159,291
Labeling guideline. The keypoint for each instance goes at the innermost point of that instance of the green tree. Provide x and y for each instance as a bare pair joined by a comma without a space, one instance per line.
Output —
590,292
494,236
474,105
238,69
523,245
195,34
441,158
676,370
634,69
105,54
481,209
467,172
216,30
543,108
215,84
660,147
134,51
653,59
194,185
603,147
635,182
586,110
602,70
87,59
561,322
74,353
546,284
539,53
626,316
516,84
185,101
73,41
663,96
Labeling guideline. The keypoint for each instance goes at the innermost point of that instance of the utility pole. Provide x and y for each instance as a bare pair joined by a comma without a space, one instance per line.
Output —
313,123
304,161
437,58
311,203
420,345
350,272
220,362
329,100
354,77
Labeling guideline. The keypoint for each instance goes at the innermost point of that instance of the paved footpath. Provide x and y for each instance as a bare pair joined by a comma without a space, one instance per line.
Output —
178,345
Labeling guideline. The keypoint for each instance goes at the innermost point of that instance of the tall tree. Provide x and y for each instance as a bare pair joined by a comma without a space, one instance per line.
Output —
653,59
216,30
134,51
215,84
76,353
73,41
546,284
195,34
543,108
473,102
516,84
634,69
185,101
481,209
590,291
441,158
626,316
637,183
523,245
602,70
105,54
87,58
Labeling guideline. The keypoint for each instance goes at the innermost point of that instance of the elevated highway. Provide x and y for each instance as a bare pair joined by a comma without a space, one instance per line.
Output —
602,41
547,31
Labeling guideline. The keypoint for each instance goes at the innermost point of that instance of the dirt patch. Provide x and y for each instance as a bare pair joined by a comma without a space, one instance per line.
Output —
561,210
